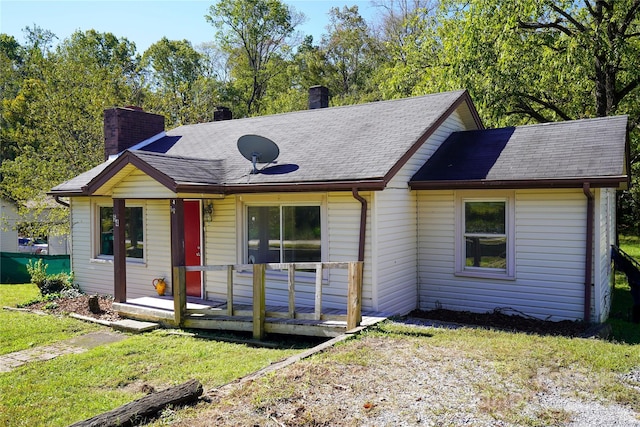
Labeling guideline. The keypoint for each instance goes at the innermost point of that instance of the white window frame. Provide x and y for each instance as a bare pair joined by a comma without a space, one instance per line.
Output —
460,243
293,200
98,256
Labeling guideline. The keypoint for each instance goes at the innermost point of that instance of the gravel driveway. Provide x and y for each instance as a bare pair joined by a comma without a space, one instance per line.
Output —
407,381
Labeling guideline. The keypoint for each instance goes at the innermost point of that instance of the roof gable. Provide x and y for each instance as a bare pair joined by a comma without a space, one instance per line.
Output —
571,152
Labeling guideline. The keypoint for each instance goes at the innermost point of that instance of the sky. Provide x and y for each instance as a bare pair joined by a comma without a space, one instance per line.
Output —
145,22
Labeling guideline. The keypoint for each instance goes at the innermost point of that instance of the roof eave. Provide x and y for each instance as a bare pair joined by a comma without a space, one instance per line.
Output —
365,185
619,182
67,193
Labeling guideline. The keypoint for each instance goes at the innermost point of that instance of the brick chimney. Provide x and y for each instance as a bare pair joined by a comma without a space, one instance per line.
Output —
318,97
222,113
124,127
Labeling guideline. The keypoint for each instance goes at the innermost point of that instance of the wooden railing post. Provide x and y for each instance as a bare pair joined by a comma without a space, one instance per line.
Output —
179,295
230,290
292,291
354,297
317,312
259,307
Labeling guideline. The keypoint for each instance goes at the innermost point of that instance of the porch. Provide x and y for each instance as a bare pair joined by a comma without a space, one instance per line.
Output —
187,312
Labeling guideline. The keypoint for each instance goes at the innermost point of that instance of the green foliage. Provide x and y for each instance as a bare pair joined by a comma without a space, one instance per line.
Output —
49,284
523,62
38,271
254,33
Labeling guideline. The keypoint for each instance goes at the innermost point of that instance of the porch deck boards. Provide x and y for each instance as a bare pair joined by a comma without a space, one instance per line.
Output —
212,314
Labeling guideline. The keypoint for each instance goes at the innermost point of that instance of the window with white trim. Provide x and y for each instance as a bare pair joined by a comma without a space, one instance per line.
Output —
283,233
134,231
485,237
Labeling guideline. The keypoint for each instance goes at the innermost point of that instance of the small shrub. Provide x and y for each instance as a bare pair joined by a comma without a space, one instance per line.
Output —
51,305
50,297
52,285
48,283
71,292
38,272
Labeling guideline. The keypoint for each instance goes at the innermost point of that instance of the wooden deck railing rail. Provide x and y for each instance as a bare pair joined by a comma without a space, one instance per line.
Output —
354,289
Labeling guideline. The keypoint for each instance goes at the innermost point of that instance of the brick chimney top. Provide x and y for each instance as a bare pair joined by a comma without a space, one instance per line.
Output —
125,127
318,97
222,113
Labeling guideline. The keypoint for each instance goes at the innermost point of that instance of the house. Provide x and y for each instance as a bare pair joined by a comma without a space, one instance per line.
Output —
8,230
436,211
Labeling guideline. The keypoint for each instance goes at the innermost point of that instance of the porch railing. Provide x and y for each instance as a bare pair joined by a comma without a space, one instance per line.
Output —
354,290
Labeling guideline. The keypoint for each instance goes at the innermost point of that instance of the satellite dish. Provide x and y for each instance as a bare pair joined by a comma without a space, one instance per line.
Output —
258,149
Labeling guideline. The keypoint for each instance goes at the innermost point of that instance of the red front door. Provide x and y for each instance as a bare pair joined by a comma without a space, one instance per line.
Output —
192,246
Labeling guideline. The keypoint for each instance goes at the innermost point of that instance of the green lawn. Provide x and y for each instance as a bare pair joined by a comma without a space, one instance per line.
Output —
74,387
70,388
21,331
621,301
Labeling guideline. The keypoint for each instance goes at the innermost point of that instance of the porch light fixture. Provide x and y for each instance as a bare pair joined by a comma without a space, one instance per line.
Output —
207,211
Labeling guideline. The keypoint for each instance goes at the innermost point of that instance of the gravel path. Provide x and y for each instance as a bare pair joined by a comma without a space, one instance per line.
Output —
385,381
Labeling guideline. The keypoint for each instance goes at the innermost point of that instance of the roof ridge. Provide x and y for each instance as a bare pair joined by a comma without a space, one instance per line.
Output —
585,119
316,110
153,153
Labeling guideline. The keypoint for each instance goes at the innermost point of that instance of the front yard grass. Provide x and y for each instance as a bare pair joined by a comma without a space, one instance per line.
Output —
519,367
71,388
21,331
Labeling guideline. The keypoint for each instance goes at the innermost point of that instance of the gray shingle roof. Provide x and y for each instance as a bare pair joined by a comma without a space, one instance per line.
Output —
350,143
580,149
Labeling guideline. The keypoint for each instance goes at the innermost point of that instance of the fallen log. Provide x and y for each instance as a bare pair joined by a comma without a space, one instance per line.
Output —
145,407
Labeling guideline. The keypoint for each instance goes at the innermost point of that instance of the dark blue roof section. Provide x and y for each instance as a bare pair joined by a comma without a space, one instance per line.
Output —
162,145
578,149
466,156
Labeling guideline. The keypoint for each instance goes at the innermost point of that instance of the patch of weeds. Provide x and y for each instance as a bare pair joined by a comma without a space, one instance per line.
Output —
271,390
622,394
32,301
544,417
51,305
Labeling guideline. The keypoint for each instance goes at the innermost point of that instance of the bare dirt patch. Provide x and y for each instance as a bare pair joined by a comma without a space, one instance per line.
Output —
78,305
501,319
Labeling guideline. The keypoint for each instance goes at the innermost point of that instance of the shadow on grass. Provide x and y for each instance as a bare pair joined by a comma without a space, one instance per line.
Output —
622,329
273,341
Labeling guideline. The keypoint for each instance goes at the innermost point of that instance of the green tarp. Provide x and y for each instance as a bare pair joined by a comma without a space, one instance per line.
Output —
13,265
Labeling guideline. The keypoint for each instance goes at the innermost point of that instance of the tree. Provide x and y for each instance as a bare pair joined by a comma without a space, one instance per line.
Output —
350,51
541,60
407,33
174,70
55,118
253,33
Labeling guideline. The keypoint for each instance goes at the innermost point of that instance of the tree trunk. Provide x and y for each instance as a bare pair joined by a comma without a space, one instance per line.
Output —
145,407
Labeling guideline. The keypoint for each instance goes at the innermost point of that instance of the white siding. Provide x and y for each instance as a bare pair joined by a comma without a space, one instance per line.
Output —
96,276
549,254
394,256
220,246
604,236
8,233
138,185
394,237
344,236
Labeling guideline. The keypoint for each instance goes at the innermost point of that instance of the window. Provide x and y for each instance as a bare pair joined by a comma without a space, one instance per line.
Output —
485,245
134,231
283,234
